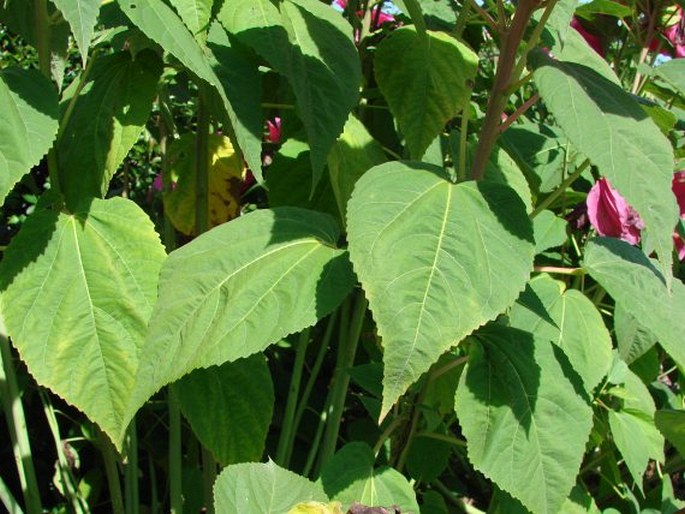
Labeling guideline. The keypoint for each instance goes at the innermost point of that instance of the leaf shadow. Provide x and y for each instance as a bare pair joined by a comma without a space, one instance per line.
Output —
502,200
608,96
504,372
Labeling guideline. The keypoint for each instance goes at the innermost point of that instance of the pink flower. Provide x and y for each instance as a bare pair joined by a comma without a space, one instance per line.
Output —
274,128
676,35
610,214
593,40
678,188
378,17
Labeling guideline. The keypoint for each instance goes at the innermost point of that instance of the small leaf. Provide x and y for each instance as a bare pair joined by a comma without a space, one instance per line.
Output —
426,81
28,123
635,283
571,321
108,117
673,72
229,408
671,423
161,24
514,399
633,339
195,14
633,429
549,230
225,181
349,477
77,293
239,288
352,155
262,489
311,45
436,260
81,15
608,126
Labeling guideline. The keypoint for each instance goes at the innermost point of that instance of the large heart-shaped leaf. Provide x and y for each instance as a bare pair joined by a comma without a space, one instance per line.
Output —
239,288
436,260
77,292
426,78
161,24
108,116
28,123
633,281
612,130
81,15
229,407
311,45
514,400
571,321
349,477
263,489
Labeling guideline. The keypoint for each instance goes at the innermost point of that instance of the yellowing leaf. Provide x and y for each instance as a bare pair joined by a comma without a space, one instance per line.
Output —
225,178
316,508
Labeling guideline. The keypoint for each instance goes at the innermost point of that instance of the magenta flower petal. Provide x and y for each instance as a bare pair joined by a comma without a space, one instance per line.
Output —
610,214
274,128
594,41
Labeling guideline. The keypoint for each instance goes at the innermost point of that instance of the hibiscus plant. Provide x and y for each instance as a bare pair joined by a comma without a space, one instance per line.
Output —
303,256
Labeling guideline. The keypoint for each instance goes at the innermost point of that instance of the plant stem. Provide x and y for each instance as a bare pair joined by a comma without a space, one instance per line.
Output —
516,115
83,79
287,437
43,30
175,457
112,472
558,270
8,499
132,492
346,351
208,479
325,343
154,495
549,199
69,484
511,38
442,437
392,426
16,423
202,165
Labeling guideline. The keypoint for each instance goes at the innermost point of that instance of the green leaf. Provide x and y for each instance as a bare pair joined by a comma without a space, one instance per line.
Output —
159,22
354,153
240,287
634,282
239,75
568,319
608,126
671,423
229,407
195,14
540,153
579,502
500,167
77,293
425,80
633,429
311,45
262,489
28,123
632,338
81,15
608,7
349,477
109,115
292,165
673,72
436,260
513,402
549,230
